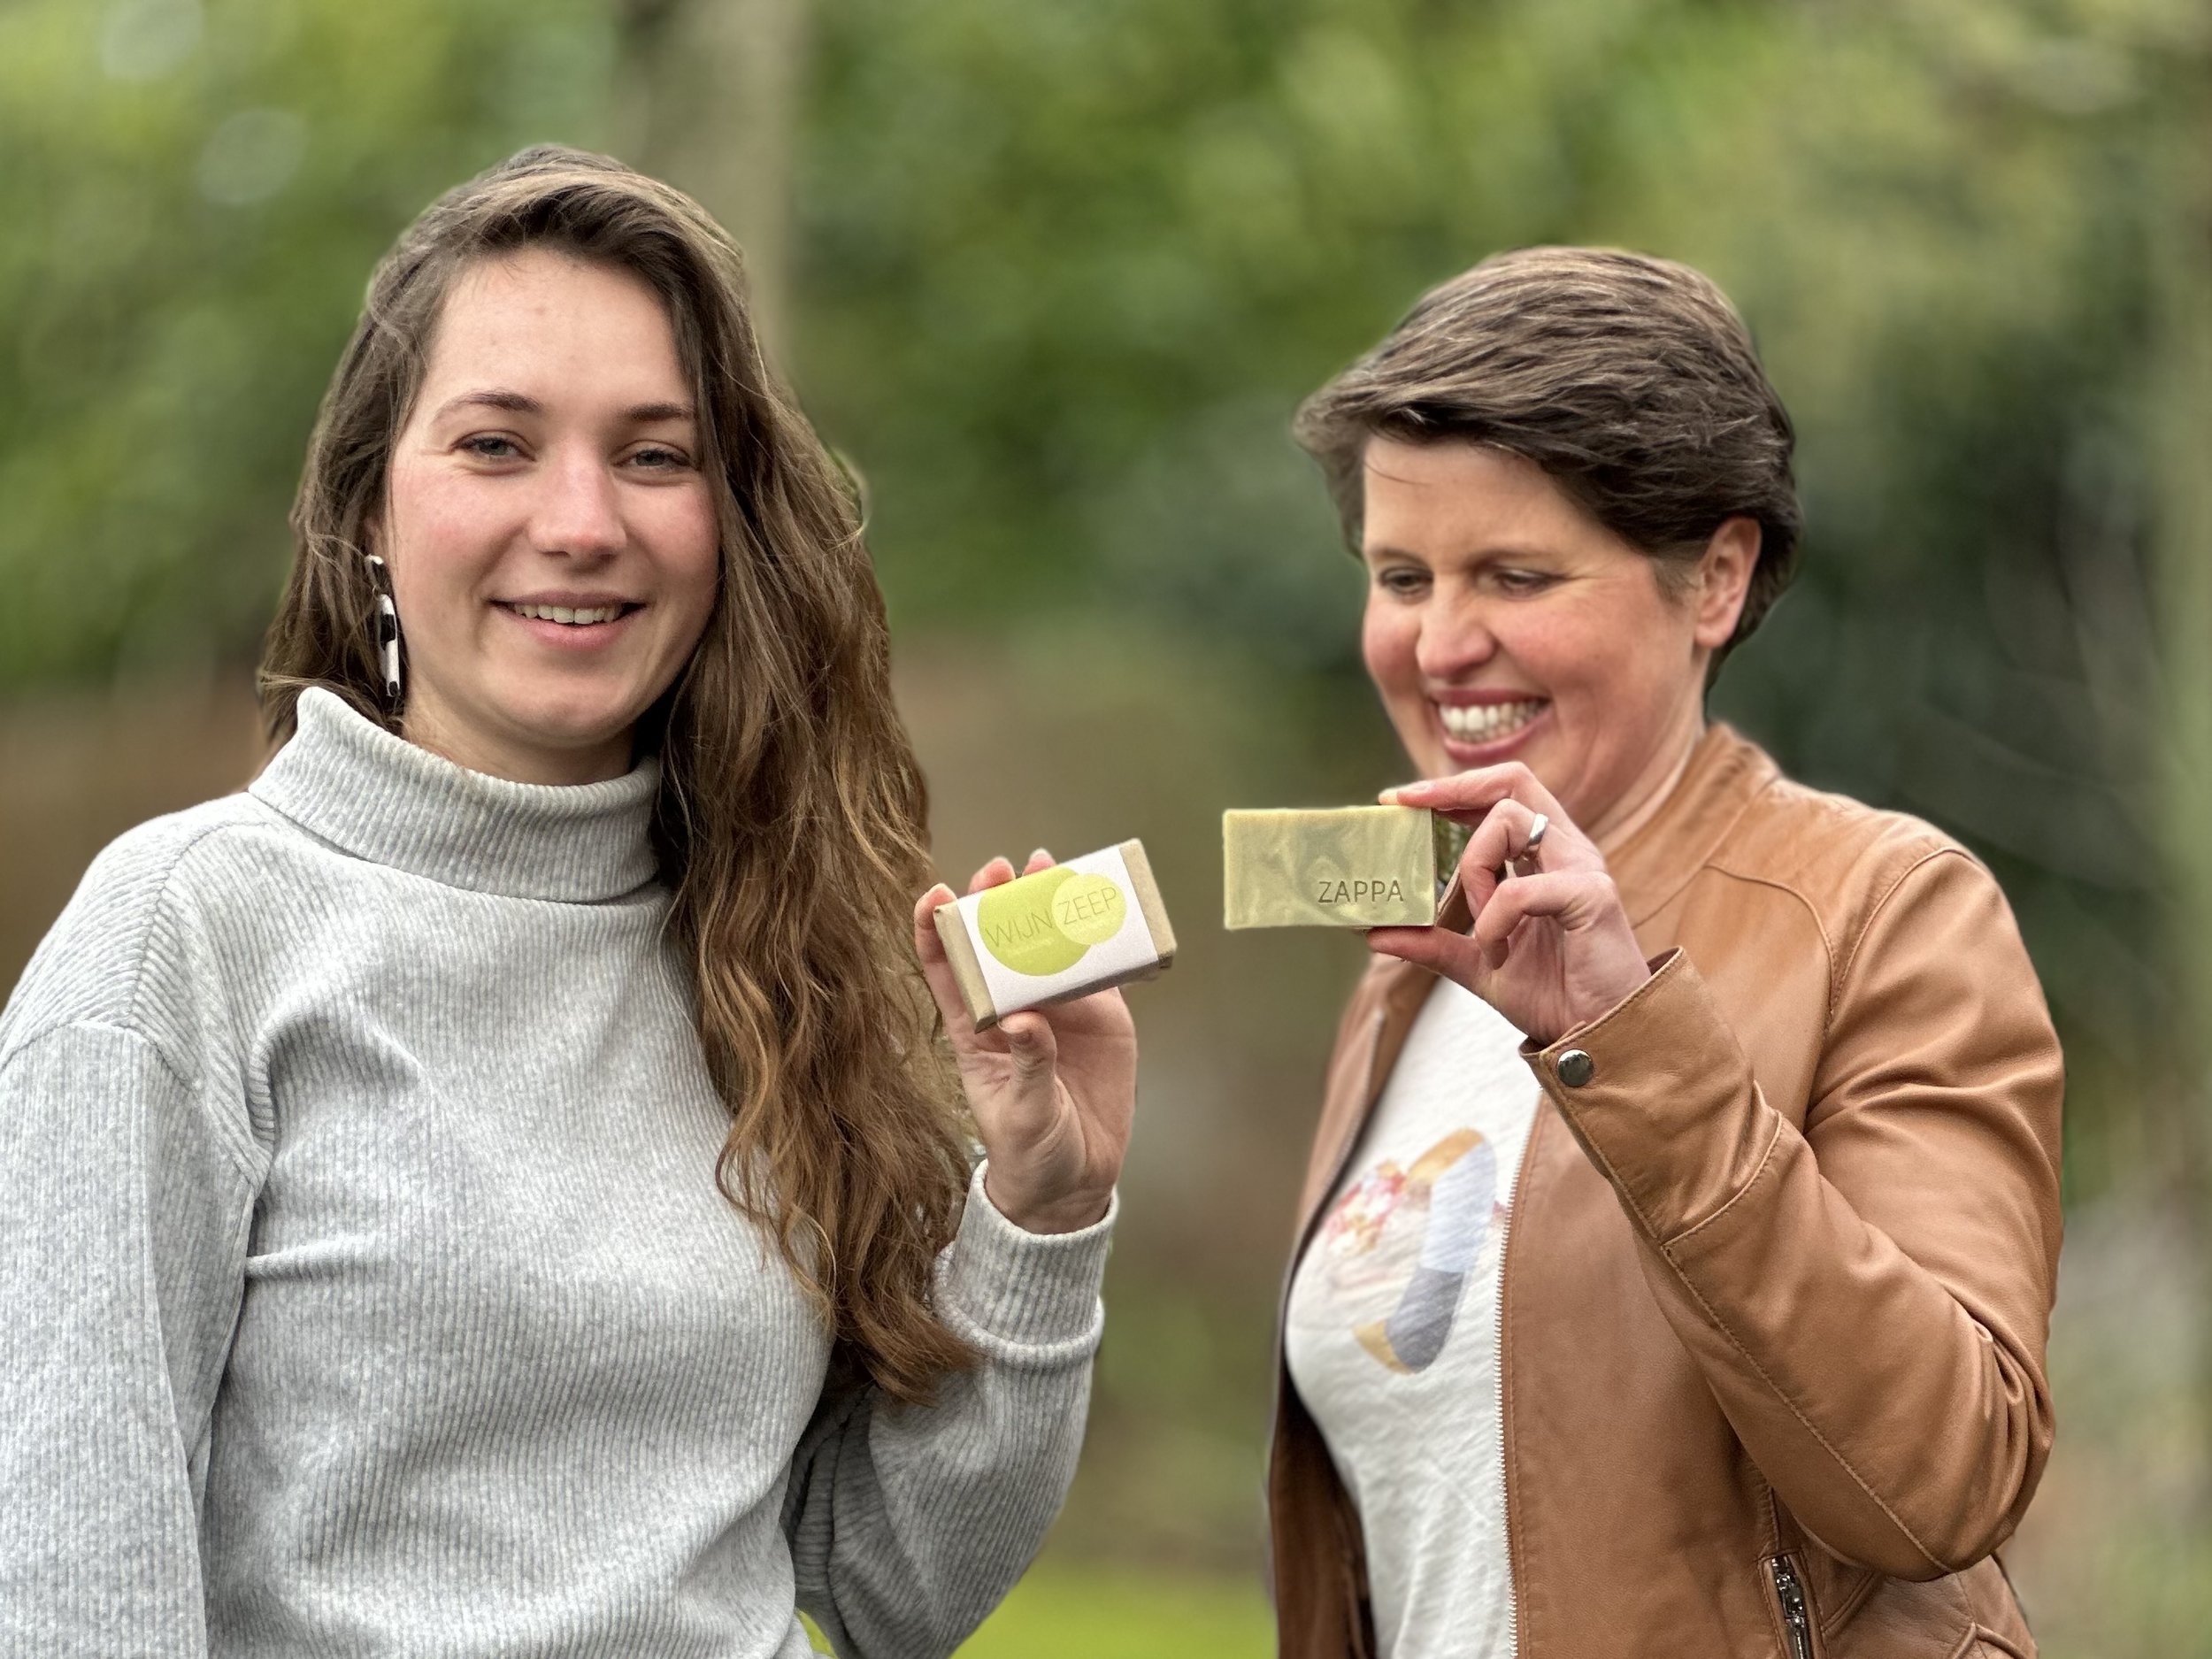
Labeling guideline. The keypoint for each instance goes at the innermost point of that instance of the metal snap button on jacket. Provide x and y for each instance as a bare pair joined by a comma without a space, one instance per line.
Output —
1576,1068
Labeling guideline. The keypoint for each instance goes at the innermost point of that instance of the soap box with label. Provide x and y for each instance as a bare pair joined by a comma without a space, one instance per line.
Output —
1360,866
1077,927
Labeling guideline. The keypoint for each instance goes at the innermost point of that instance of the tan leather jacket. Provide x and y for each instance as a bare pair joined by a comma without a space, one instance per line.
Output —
1777,1276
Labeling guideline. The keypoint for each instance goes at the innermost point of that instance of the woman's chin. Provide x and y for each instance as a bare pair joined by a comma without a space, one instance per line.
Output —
551,737
561,728
573,715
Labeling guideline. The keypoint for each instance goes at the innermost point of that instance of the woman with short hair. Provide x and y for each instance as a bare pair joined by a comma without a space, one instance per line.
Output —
1679,1242
494,1186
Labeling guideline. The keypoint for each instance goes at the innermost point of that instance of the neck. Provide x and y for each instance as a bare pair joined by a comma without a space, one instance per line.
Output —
1671,758
375,794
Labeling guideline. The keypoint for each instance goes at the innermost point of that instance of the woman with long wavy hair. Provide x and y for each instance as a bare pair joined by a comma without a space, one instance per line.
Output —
496,1186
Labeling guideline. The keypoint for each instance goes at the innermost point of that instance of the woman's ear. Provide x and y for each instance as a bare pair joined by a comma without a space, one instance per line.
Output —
1724,579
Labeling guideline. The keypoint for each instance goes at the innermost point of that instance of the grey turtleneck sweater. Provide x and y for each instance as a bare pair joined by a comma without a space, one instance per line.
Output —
365,1288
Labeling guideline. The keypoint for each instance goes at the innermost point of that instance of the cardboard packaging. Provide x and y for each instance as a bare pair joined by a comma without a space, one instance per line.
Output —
1080,926
1360,866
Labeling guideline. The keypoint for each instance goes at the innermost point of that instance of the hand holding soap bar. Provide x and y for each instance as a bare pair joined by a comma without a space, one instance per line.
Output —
1360,866
1069,930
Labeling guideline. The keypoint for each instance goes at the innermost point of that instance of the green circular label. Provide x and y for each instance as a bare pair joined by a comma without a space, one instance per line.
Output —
1017,923
1089,909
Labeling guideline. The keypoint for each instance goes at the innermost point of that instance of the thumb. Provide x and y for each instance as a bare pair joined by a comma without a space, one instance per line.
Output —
1030,1045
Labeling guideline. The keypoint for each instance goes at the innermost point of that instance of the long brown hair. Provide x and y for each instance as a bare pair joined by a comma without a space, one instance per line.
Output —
791,813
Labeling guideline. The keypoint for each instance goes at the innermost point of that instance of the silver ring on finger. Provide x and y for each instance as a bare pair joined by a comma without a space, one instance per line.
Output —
1533,845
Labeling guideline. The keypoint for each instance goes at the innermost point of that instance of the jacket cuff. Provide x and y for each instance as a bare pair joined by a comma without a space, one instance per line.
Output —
1660,1095
1023,1297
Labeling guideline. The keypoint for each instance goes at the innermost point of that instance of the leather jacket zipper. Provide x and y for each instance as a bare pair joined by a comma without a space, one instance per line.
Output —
1795,1619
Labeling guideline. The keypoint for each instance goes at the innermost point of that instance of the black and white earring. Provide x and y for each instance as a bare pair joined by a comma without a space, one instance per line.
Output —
387,630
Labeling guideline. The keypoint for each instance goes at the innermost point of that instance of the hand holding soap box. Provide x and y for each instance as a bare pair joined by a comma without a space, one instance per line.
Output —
1074,928
1359,866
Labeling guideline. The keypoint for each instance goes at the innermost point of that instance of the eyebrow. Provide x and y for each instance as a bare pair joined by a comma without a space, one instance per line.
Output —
521,403
1486,555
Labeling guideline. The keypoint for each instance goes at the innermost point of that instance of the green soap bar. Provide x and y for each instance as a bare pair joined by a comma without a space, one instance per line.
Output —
1358,866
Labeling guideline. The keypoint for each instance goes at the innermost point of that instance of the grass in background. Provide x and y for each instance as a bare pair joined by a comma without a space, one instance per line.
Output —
1071,1611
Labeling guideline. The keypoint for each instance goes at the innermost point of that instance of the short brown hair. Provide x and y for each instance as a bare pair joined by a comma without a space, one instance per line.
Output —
1631,380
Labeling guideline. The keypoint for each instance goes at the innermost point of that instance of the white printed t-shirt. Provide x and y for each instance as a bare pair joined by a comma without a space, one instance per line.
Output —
1392,1336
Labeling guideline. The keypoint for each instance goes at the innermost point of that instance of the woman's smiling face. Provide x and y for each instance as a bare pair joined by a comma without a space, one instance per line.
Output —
1504,623
548,527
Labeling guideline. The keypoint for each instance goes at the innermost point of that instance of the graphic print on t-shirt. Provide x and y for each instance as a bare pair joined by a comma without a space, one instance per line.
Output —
1398,1245
1392,1338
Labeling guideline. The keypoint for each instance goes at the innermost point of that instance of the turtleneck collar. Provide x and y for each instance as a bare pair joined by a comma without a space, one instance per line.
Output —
351,783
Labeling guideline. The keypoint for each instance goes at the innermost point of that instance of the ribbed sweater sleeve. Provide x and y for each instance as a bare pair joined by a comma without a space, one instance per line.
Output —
120,1265
908,1524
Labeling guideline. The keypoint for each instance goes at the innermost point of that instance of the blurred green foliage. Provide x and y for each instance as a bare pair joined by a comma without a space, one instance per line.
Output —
191,201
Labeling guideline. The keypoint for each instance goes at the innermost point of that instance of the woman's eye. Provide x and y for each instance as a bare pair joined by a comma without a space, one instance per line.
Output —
1513,581
1405,584
660,460
490,447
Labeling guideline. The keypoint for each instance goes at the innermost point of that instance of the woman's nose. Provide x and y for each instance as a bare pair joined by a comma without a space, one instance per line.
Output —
578,513
1455,640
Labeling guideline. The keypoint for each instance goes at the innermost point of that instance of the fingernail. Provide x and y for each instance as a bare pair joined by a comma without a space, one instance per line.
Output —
1039,853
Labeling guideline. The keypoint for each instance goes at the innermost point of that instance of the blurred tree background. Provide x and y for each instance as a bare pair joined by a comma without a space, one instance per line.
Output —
1053,274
